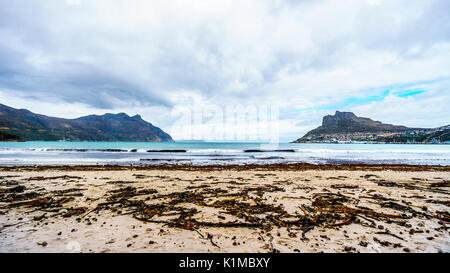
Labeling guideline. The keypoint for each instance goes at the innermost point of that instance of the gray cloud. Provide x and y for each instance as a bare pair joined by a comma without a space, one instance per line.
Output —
144,54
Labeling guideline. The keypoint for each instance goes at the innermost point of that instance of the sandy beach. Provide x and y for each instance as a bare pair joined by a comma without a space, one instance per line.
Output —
255,209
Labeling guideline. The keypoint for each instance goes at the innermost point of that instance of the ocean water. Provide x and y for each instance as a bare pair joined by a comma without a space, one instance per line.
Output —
204,153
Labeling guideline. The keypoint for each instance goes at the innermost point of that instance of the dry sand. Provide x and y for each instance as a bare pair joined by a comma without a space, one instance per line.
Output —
99,210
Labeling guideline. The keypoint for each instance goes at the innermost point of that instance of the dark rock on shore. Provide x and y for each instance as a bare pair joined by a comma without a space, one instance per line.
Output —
6,137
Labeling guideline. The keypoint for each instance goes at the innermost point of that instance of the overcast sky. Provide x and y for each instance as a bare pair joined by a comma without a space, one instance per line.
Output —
384,59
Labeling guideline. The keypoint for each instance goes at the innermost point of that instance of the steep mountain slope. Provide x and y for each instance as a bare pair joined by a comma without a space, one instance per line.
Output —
347,122
121,127
108,127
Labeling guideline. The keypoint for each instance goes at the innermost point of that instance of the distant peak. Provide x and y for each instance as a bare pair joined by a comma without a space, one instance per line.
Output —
344,114
122,115
331,120
348,122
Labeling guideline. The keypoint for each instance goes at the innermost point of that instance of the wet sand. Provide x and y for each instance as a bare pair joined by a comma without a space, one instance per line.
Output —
274,208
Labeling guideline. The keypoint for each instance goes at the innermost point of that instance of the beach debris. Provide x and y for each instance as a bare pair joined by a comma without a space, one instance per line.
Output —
16,189
45,202
68,192
344,186
445,183
327,209
433,187
43,243
239,203
74,211
43,178
14,197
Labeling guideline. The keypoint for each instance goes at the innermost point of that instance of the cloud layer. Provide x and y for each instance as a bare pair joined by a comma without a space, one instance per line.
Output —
308,57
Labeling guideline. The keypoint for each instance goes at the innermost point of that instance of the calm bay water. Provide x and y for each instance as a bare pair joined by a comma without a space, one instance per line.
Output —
202,153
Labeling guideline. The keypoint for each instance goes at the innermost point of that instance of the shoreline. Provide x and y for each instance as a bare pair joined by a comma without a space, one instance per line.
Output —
234,167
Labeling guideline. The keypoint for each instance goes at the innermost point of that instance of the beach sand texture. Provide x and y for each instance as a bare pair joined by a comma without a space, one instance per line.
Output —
254,210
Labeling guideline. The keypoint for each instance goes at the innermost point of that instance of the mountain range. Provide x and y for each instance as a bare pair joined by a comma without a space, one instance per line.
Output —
108,127
346,126
24,125
347,122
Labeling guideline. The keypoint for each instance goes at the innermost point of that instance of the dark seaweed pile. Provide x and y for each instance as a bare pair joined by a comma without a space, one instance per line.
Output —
246,205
